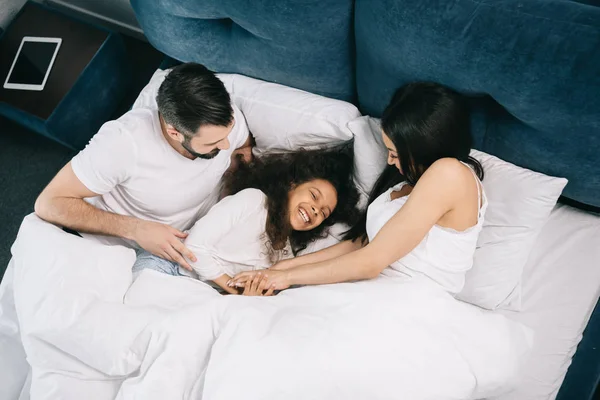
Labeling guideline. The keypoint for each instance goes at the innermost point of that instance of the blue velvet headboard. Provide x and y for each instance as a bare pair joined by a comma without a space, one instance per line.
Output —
531,67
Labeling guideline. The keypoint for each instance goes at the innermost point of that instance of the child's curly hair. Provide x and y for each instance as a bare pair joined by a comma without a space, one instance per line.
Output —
277,174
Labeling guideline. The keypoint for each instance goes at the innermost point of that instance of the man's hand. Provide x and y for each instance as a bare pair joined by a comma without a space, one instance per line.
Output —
163,241
244,154
241,155
245,150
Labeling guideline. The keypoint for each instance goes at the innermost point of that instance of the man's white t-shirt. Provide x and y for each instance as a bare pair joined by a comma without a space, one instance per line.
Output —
136,172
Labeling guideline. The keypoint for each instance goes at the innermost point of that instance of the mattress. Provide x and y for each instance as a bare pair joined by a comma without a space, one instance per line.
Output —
560,288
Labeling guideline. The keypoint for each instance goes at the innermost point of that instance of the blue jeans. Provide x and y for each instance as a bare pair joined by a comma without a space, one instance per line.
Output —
147,260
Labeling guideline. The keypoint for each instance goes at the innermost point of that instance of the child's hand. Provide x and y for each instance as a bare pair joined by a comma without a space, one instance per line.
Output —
257,285
278,280
222,282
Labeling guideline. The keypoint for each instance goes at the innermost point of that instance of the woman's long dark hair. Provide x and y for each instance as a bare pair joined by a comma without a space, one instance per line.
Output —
276,174
426,122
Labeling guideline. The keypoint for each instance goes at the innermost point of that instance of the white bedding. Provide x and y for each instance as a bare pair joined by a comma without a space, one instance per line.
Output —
87,336
560,288
376,340
561,285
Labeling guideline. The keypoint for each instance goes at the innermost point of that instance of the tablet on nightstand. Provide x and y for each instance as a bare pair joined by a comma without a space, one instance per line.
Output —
32,64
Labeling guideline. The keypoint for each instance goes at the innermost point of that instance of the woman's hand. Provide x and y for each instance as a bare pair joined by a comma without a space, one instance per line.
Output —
257,285
276,280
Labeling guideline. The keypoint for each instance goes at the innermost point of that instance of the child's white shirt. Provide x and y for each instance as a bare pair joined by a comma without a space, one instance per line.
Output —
231,237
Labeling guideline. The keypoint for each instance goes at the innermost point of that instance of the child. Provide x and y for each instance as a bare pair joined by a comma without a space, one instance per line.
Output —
275,207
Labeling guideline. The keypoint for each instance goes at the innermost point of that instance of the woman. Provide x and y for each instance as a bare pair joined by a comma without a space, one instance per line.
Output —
275,207
426,209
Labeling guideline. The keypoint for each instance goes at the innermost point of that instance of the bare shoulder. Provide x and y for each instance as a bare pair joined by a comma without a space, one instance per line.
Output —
448,172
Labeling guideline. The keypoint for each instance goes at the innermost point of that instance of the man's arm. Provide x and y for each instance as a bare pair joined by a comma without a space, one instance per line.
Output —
61,202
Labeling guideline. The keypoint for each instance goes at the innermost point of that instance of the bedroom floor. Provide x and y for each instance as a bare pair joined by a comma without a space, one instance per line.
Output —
28,161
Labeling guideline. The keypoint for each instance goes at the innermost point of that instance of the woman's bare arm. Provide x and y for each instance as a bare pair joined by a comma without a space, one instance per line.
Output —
328,253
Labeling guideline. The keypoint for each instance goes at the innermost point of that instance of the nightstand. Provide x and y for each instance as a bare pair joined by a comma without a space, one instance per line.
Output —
90,76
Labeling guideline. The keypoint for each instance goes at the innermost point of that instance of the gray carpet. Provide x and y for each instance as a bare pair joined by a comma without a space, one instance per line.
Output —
27,163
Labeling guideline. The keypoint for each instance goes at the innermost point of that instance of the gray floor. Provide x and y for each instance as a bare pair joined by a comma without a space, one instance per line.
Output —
27,163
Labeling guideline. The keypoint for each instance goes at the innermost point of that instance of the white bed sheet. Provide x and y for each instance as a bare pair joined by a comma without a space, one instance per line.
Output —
561,285
560,289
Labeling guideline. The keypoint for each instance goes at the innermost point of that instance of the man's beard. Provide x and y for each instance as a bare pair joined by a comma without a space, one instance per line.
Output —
187,145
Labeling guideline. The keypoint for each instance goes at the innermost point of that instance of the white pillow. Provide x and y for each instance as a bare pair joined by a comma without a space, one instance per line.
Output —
370,154
280,118
520,201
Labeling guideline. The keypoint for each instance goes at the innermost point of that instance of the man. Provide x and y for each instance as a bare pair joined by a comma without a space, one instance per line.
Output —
149,175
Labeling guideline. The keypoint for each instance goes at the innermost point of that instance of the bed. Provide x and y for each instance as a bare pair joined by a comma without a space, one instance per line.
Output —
560,290
350,50
516,59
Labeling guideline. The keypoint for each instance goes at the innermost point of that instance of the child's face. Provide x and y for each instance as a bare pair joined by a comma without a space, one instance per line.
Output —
310,204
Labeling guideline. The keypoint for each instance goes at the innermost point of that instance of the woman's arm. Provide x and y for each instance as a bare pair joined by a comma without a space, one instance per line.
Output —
435,194
328,253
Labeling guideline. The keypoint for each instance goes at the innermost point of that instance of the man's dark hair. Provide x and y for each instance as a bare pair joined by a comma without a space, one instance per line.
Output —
192,96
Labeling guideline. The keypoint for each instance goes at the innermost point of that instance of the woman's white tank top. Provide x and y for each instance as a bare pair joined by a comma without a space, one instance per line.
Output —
444,255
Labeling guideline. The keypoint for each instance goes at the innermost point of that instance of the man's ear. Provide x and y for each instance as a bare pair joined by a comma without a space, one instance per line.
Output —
174,133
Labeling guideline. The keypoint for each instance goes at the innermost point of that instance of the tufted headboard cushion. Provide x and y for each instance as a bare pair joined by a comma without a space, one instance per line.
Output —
306,44
531,67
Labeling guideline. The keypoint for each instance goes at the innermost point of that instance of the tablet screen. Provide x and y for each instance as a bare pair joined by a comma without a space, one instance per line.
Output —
32,63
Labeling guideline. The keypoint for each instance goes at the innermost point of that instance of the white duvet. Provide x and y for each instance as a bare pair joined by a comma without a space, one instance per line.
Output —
90,334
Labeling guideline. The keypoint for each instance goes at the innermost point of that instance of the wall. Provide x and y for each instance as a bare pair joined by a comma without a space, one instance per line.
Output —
115,12
8,9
